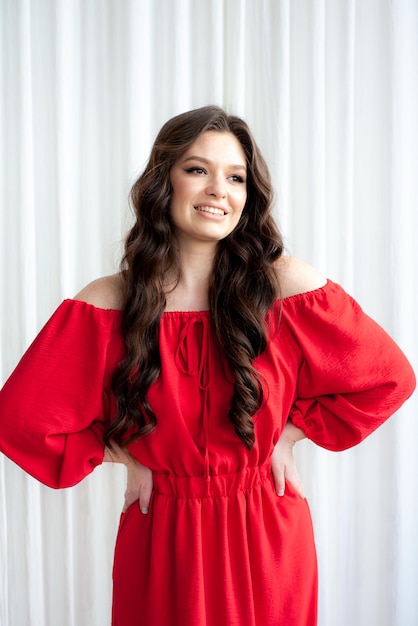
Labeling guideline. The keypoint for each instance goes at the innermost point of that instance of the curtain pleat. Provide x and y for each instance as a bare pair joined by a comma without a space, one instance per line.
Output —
330,89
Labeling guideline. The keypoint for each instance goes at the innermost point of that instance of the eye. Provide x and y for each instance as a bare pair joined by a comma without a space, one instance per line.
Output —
196,170
236,178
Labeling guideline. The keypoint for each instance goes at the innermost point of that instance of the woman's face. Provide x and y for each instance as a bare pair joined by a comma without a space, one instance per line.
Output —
209,188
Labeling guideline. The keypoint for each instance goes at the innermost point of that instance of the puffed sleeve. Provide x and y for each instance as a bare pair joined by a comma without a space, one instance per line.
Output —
352,375
55,405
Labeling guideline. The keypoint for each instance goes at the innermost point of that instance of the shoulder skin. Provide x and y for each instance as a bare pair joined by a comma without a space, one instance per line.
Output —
103,293
296,276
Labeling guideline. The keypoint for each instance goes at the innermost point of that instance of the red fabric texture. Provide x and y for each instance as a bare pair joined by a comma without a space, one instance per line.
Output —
218,546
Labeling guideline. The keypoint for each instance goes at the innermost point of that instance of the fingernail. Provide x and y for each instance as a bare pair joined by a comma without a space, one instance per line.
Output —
280,492
144,510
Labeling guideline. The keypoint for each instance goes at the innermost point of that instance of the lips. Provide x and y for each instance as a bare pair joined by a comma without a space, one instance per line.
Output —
210,209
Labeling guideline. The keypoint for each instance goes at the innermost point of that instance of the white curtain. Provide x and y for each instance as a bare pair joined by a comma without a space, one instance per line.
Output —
330,89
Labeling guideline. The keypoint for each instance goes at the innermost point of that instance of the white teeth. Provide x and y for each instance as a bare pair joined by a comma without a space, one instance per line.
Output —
210,209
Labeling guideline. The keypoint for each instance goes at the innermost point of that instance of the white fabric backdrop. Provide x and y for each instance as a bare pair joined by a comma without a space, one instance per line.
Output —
330,90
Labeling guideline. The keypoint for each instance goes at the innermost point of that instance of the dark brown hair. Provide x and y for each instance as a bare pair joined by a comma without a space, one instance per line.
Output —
243,286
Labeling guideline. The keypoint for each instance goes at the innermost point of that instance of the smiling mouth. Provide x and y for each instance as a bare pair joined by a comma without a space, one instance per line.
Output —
210,209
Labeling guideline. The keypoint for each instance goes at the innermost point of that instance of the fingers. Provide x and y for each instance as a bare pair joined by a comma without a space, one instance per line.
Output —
131,496
283,466
139,486
297,485
145,496
282,474
299,488
279,479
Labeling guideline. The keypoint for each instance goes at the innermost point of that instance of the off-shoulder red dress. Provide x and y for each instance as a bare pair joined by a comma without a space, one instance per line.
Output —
218,547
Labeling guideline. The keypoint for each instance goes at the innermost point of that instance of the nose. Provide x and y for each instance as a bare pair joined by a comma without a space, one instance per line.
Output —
216,187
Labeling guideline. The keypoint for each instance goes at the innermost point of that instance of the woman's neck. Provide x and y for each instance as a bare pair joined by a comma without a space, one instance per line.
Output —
190,293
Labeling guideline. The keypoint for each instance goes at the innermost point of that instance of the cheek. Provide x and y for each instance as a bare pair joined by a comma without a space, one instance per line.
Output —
184,188
176,191
240,206
240,200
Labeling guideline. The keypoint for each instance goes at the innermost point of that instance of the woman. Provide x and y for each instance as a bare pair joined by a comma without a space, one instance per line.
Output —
199,365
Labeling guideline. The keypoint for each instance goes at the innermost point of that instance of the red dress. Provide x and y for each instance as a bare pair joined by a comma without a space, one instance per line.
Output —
218,547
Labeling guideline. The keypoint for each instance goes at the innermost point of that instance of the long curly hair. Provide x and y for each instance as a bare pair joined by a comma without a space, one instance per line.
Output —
243,285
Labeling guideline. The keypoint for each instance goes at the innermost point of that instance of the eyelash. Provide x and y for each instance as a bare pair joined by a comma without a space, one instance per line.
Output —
200,170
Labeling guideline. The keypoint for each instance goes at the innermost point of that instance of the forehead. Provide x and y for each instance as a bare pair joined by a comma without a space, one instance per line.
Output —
220,146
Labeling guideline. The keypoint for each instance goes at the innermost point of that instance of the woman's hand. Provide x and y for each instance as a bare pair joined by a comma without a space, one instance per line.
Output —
138,486
283,464
139,479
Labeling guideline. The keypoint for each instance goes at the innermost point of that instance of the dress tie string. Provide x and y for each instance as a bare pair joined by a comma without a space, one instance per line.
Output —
192,354
192,359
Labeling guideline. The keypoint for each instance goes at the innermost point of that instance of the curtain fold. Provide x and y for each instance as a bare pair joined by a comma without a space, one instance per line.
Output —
330,90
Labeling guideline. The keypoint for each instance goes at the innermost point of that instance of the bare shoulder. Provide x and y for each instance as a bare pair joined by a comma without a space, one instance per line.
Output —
103,293
296,276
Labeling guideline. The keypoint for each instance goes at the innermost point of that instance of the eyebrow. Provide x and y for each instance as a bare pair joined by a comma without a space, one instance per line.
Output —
207,161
